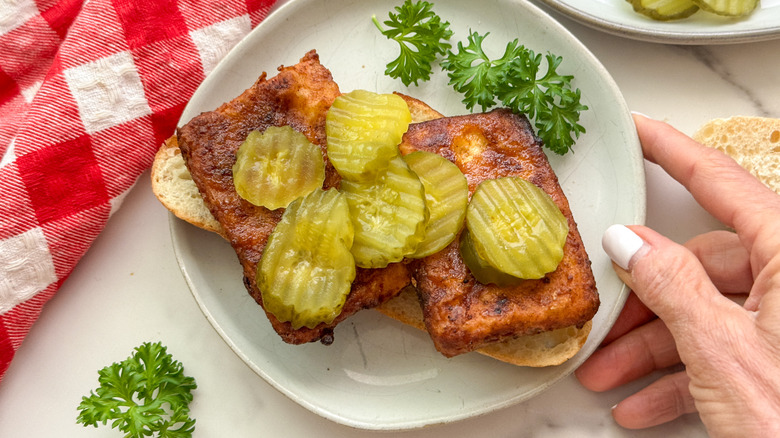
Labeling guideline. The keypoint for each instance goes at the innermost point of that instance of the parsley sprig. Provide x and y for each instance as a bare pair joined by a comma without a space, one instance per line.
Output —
516,80
473,74
144,394
421,35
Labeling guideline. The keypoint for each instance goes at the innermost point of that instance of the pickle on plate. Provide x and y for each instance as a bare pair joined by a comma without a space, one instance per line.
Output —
665,10
516,227
363,131
481,269
307,269
277,166
730,8
446,196
388,213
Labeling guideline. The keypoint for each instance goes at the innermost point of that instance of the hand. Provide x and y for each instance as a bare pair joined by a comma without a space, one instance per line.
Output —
731,352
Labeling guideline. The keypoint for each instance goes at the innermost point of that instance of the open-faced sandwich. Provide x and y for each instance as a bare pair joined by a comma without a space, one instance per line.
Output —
368,233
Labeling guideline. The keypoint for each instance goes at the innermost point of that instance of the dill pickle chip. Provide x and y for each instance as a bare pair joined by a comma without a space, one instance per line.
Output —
307,269
481,269
516,227
277,166
363,131
729,8
446,196
665,10
388,213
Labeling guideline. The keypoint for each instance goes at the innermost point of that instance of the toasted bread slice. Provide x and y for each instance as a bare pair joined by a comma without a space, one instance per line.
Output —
539,350
174,187
754,142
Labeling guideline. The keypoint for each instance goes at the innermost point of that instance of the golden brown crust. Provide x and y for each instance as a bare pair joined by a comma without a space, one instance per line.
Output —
461,314
298,96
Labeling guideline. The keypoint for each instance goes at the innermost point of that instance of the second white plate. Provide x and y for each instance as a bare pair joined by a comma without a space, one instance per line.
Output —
617,17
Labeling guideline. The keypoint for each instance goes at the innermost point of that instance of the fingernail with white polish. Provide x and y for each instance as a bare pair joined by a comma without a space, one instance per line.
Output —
641,114
621,244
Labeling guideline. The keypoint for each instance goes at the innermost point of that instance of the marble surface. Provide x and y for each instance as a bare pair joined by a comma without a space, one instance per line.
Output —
128,287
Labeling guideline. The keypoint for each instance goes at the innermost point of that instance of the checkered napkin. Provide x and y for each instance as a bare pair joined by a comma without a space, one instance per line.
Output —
88,91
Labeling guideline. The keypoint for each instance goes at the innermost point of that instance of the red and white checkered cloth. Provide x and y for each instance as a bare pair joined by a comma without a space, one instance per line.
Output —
88,91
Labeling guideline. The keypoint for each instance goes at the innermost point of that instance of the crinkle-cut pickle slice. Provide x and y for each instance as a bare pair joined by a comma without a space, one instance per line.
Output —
307,269
446,196
729,8
480,269
665,10
363,132
516,227
389,215
277,166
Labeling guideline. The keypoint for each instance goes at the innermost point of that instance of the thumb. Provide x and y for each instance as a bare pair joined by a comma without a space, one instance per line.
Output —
666,276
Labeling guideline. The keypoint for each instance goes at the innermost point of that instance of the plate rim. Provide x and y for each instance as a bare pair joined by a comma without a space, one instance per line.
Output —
175,225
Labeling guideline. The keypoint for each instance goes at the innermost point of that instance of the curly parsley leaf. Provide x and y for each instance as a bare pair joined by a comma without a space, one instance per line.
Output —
473,74
421,35
547,98
146,393
517,82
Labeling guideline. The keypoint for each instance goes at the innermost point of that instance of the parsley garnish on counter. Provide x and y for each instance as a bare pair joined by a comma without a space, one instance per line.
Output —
515,80
144,394
422,37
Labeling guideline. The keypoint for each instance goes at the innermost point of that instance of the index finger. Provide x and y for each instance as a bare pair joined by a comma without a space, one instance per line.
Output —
716,181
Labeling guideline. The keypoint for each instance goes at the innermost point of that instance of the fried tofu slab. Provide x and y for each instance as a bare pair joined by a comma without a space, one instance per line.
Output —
299,96
461,314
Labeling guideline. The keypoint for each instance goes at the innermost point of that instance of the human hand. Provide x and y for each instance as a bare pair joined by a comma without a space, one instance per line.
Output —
731,352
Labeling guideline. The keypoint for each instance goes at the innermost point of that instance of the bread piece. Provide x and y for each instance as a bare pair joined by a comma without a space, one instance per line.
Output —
540,350
172,184
174,187
754,142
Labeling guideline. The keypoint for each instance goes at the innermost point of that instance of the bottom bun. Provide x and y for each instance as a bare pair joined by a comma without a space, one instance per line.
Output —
540,350
173,186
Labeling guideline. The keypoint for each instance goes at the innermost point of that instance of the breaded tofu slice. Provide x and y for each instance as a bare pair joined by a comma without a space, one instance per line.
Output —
462,314
299,96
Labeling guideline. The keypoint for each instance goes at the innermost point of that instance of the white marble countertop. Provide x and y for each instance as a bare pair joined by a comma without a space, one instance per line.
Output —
128,288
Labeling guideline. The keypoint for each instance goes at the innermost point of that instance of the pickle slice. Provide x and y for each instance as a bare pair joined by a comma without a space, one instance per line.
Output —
729,8
307,269
363,131
665,10
516,227
388,213
277,166
446,197
481,269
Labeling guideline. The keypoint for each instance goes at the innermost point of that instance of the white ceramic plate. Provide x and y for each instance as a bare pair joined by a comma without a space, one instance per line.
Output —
617,17
379,374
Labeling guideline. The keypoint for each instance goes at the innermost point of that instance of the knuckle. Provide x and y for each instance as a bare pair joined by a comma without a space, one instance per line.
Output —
675,268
